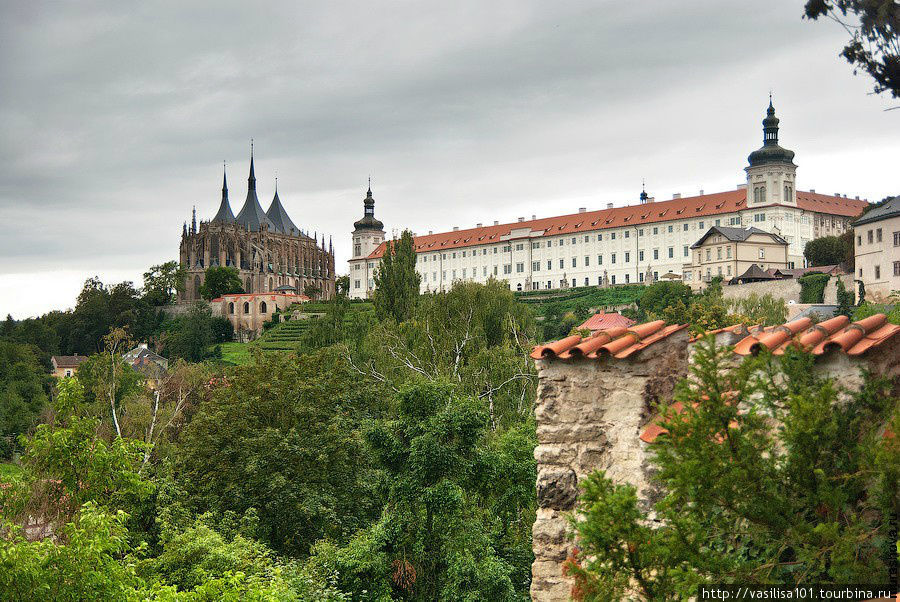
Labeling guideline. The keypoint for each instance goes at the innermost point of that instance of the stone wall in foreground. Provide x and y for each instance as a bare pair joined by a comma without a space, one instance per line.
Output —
590,414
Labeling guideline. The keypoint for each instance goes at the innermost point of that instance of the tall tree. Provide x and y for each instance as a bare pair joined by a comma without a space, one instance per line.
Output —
220,281
828,250
396,279
162,281
874,28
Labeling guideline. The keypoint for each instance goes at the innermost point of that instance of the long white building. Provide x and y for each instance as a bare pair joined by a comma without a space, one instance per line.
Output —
616,245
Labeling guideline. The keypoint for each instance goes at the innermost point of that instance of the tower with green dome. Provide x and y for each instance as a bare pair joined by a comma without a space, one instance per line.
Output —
771,173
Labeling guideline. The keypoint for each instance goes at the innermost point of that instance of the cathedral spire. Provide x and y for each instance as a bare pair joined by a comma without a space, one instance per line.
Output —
194,220
224,213
770,152
251,181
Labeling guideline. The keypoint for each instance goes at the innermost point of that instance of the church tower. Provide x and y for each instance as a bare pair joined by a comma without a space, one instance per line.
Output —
771,173
368,232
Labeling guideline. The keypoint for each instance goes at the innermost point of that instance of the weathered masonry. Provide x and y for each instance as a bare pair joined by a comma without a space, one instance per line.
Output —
596,397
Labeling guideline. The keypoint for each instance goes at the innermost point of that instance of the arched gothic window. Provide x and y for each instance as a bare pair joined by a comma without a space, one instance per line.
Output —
246,307
231,308
262,307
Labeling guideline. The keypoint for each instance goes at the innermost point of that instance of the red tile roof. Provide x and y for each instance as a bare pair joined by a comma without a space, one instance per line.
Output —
616,342
632,215
605,321
836,334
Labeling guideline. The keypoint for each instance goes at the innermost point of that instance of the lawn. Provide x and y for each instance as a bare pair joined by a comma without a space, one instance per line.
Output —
235,354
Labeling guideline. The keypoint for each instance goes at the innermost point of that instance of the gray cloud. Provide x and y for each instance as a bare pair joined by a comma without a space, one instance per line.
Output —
115,117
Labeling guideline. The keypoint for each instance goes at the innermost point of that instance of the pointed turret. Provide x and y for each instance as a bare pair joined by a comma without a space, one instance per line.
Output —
224,213
194,220
252,215
771,151
279,217
368,221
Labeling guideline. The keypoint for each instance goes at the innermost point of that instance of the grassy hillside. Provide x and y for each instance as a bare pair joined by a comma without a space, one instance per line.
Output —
589,296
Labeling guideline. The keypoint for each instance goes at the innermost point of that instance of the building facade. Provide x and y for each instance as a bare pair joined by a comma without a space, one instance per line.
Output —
266,247
877,249
729,252
620,245
248,312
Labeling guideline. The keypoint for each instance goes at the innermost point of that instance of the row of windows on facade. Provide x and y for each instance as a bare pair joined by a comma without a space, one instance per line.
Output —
873,236
263,307
877,270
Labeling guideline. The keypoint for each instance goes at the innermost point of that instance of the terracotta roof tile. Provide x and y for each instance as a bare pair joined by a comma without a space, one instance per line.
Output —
605,321
660,211
836,334
619,342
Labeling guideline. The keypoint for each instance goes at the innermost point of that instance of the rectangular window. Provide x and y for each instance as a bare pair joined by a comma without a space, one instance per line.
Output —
708,251
897,268
641,277
535,266
599,259
535,245
762,253
685,228
858,240
443,274
574,240
507,268
627,256
612,279
356,284
464,253
520,267
612,236
586,281
495,250
640,232
670,229
562,264
687,251
897,239
671,252
535,286
627,278
613,259
700,226
484,270
599,237
640,256
464,273
495,270
454,256
587,239
574,262
878,235
728,252
549,264
718,222
587,260
626,233
877,272
655,253
655,231
718,252
869,236
520,247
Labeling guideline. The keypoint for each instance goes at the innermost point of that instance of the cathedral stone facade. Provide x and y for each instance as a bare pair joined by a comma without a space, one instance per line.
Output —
269,251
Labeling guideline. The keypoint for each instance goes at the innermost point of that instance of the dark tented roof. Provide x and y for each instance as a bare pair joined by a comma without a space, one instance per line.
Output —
252,215
224,214
754,272
279,217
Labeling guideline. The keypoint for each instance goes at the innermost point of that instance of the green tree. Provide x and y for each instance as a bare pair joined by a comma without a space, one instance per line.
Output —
744,502
396,280
827,250
874,27
845,300
220,281
162,281
23,393
661,295
190,336
433,540
280,436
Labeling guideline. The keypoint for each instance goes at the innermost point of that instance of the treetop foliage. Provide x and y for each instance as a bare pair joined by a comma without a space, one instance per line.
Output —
396,279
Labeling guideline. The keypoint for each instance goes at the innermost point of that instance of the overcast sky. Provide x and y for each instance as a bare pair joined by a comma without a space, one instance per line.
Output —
115,117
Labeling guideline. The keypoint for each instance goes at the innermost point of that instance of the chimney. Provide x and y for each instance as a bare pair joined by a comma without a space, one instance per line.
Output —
812,189
431,232
456,228
496,223
609,205
521,219
857,197
478,225
582,210
701,192
533,217
677,195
